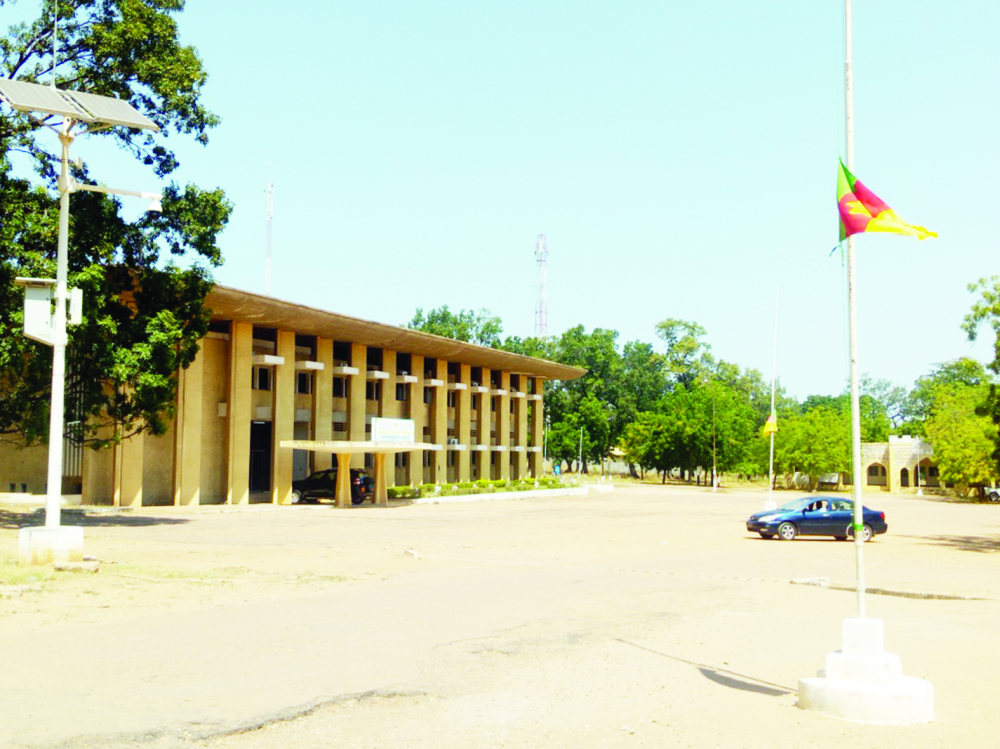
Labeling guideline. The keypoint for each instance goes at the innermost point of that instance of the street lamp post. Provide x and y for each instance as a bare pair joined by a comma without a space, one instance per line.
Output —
56,542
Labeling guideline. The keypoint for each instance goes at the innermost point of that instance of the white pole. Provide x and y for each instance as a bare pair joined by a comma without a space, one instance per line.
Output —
771,504
580,468
853,327
53,489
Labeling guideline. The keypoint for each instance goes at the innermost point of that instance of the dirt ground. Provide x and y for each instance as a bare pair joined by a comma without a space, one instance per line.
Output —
644,617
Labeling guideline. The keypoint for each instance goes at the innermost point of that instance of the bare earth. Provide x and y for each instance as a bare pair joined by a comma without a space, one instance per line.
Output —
645,617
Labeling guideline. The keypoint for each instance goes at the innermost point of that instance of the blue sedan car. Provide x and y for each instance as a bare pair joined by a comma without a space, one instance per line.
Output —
815,516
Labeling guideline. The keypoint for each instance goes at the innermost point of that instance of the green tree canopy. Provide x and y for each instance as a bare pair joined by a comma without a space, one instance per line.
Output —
466,325
963,441
144,281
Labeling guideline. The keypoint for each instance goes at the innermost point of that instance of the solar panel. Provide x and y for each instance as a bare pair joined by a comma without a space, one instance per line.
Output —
112,111
31,97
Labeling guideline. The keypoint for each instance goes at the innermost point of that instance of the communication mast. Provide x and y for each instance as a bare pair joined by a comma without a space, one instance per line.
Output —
542,305
267,261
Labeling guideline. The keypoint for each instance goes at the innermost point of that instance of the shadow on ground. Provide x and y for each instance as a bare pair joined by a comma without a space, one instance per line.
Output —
983,544
13,520
724,676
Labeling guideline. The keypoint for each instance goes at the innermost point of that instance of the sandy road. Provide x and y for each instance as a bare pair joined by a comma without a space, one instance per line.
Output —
643,618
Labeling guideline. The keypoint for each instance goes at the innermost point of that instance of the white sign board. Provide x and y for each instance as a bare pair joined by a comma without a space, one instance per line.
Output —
393,430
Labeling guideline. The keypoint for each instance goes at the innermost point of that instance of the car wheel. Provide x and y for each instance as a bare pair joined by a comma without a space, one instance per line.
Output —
867,534
765,535
787,531
358,500
297,497
993,496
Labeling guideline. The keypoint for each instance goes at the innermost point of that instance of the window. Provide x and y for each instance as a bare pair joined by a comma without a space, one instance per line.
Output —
873,470
340,426
493,404
339,387
451,458
261,378
427,458
428,395
401,391
932,471
512,405
475,402
373,389
452,399
427,432
303,383
401,460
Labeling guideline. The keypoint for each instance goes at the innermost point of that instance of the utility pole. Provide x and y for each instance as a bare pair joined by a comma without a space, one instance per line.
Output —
542,304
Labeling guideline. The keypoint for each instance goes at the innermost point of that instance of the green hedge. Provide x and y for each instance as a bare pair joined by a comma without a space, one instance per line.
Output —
482,486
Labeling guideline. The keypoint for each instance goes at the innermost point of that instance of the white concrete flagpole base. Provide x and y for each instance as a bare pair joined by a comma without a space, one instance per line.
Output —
48,545
864,684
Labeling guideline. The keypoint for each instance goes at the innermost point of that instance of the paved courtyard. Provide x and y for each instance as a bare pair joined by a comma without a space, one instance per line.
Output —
644,617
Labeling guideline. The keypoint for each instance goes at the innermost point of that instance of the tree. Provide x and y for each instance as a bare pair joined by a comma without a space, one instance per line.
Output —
687,356
473,327
987,309
144,281
647,443
920,402
815,442
963,441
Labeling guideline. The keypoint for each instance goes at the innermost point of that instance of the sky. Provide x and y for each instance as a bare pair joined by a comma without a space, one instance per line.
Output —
679,157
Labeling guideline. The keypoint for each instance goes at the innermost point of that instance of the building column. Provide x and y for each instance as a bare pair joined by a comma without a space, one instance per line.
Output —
463,421
503,425
537,459
483,426
283,419
521,430
240,399
356,400
380,496
187,433
439,426
418,414
128,471
388,405
323,403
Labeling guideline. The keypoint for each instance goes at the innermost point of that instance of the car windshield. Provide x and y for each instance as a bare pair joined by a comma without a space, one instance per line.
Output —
796,504
805,502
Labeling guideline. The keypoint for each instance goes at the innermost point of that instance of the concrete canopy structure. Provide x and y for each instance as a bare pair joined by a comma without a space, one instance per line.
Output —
272,372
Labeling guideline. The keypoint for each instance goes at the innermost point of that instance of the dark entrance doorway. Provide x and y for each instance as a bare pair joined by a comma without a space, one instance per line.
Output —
260,456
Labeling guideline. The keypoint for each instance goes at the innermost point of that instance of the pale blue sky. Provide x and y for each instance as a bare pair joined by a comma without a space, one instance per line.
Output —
680,157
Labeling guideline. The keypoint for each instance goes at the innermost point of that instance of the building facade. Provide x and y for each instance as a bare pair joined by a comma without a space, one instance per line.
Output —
271,371
892,465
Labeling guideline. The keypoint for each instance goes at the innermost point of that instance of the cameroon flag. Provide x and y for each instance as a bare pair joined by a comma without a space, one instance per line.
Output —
770,426
861,210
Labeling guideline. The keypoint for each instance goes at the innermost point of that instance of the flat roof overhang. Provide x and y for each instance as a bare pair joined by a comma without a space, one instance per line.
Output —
243,306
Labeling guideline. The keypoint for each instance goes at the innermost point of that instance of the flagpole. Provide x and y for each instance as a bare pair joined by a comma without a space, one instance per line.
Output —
853,327
771,504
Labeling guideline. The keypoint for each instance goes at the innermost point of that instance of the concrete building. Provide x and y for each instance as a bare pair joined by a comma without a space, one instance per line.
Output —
891,464
271,371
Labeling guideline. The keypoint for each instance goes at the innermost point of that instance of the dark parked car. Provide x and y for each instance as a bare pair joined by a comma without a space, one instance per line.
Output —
324,484
815,516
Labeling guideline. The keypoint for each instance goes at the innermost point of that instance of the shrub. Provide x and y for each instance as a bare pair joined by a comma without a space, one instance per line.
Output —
403,492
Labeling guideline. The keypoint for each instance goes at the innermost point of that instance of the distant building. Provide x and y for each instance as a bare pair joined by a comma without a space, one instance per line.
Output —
271,371
892,464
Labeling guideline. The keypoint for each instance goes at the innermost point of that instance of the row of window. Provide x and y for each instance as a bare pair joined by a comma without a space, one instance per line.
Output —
263,379
876,470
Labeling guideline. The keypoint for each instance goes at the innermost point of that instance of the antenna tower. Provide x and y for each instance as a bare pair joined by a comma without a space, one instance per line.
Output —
542,305
270,215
